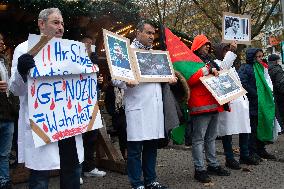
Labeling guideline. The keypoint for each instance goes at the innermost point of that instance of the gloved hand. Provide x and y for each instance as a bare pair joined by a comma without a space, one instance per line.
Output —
25,63
94,58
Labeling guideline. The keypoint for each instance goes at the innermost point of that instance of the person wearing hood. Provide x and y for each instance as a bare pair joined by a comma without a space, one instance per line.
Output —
237,120
256,81
204,113
276,74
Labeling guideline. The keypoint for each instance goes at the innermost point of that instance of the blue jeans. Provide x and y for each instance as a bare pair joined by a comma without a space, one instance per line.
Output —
148,149
6,137
243,144
204,133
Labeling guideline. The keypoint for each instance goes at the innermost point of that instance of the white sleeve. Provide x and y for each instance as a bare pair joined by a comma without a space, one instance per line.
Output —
119,84
228,60
16,84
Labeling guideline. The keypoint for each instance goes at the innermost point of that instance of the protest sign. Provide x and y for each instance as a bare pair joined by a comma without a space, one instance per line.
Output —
60,57
62,94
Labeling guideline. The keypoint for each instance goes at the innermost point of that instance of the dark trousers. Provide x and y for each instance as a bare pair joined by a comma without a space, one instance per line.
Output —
255,145
148,150
119,124
89,141
70,169
243,144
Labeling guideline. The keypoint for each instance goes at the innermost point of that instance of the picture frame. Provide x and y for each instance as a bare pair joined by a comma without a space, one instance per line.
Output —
153,65
236,27
224,88
119,57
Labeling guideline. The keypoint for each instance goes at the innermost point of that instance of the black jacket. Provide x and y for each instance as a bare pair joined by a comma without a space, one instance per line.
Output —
277,77
246,74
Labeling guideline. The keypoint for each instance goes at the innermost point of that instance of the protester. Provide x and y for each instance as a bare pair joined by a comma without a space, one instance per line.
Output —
237,120
276,74
145,119
204,114
66,155
89,138
8,113
256,81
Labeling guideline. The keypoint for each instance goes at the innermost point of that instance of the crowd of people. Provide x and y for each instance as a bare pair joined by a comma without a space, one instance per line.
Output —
144,113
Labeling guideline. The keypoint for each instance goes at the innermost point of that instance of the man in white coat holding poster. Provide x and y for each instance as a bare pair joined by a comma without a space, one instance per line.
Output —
145,120
66,154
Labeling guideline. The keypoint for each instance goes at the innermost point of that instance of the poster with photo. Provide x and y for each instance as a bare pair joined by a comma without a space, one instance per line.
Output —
224,88
118,56
236,27
153,66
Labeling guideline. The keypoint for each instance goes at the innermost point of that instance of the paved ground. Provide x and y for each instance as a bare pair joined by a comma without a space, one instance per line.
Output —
176,171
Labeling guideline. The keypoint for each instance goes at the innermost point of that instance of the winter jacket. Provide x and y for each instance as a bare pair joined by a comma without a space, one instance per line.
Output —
277,77
201,100
9,106
247,77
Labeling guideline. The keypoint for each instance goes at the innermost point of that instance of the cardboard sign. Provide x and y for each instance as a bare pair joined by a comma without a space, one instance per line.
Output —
62,91
61,107
60,57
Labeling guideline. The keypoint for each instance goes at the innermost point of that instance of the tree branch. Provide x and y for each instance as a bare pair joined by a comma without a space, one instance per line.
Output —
258,29
216,24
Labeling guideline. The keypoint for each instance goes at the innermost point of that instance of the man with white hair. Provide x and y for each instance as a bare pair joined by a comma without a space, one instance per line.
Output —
66,154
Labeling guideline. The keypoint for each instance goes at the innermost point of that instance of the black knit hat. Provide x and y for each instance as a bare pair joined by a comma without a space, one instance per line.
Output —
273,57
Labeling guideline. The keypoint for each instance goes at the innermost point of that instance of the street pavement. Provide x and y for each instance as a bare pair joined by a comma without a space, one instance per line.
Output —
175,170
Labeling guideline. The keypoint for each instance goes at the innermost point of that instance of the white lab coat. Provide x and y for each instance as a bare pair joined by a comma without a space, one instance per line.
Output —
237,120
44,157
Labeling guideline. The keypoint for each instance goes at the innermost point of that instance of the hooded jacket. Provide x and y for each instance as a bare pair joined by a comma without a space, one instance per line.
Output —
247,77
201,100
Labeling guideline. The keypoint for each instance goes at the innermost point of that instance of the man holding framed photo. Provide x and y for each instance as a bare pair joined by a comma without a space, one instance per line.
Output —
145,119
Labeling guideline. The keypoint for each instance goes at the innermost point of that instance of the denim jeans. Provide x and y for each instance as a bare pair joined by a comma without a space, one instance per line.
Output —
243,144
204,134
70,169
6,137
148,149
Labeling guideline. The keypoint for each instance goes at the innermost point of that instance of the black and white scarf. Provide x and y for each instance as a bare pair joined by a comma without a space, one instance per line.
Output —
139,45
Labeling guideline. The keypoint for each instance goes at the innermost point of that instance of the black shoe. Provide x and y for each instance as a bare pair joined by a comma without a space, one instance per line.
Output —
155,185
202,176
265,155
250,160
217,171
233,164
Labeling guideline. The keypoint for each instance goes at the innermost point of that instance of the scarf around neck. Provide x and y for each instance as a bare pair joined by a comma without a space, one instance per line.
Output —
139,45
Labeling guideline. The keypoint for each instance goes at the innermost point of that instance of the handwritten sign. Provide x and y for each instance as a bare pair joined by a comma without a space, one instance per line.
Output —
62,91
62,107
60,57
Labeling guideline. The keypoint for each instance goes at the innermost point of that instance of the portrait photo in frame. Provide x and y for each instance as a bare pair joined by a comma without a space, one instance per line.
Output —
119,57
236,27
153,65
224,88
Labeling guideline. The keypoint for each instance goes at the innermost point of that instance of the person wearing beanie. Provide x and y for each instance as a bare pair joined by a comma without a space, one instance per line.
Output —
276,74
204,113
256,81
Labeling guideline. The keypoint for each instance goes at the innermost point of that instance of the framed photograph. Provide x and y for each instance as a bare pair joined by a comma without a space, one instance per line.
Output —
153,66
236,27
118,57
224,88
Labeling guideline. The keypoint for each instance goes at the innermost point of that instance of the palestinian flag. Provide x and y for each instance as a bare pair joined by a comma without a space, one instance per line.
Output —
184,60
266,106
